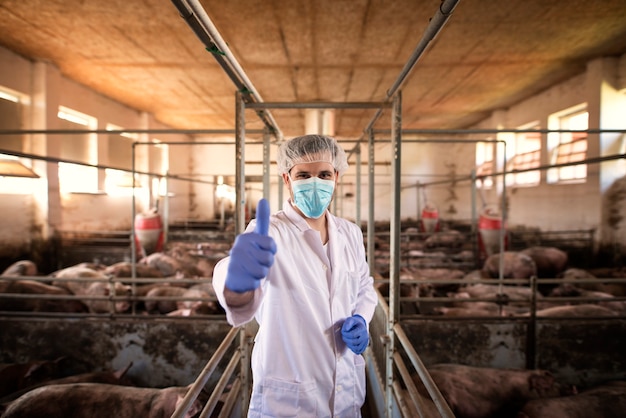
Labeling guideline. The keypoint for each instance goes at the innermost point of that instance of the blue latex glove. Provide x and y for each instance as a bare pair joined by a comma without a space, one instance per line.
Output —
354,333
252,254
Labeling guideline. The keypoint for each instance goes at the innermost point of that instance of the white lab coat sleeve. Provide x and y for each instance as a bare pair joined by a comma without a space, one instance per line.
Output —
239,315
367,298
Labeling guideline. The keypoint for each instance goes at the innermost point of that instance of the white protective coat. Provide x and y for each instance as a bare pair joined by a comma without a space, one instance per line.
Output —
301,366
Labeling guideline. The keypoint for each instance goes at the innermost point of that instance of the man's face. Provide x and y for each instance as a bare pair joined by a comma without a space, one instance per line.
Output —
303,171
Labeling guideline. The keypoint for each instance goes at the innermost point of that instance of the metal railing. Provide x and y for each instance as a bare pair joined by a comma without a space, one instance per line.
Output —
378,351
113,297
205,375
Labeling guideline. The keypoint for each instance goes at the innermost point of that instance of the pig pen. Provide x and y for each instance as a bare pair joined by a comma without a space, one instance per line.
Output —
154,349
173,351
578,352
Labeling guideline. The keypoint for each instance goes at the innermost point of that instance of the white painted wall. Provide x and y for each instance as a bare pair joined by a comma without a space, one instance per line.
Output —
572,206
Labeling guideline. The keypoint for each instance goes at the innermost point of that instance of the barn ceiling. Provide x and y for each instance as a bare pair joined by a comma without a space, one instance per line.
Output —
487,56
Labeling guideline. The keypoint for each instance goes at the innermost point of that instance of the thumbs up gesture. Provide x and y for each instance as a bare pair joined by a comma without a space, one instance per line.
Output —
252,254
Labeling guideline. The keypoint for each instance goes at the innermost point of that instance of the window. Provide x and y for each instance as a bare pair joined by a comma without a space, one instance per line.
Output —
16,173
75,177
568,147
527,155
484,164
159,157
159,164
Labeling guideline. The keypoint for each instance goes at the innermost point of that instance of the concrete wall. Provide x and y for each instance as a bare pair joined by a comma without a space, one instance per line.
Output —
163,352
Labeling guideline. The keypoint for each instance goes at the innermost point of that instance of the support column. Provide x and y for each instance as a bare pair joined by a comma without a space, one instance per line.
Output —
394,236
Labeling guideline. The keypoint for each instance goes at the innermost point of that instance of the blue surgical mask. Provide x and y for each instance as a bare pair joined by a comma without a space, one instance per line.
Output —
313,195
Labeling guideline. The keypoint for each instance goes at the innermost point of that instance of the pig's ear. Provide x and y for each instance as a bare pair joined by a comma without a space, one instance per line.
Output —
122,372
33,368
193,409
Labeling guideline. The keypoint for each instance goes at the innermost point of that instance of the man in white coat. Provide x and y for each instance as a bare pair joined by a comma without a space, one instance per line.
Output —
302,273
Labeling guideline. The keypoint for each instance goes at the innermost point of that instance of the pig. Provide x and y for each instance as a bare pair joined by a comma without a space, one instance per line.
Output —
70,271
21,268
461,301
570,290
446,239
124,269
516,265
167,265
193,263
607,401
77,272
512,295
42,304
464,311
99,400
482,392
438,274
206,305
104,290
550,261
117,377
406,290
97,284
615,289
16,376
163,306
575,311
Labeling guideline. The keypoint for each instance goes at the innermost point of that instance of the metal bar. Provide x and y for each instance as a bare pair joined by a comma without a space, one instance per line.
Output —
402,406
531,329
266,165
192,11
431,387
133,238
245,343
240,164
357,194
410,386
474,220
124,131
394,230
240,179
207,411
318,105
435,25
101,166
497,131
229,402
371,225
594,160
503,220
204,375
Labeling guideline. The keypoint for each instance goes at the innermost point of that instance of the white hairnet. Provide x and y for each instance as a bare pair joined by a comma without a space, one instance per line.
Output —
309,149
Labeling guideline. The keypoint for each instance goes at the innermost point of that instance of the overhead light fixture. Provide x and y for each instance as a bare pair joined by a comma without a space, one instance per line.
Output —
10,167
